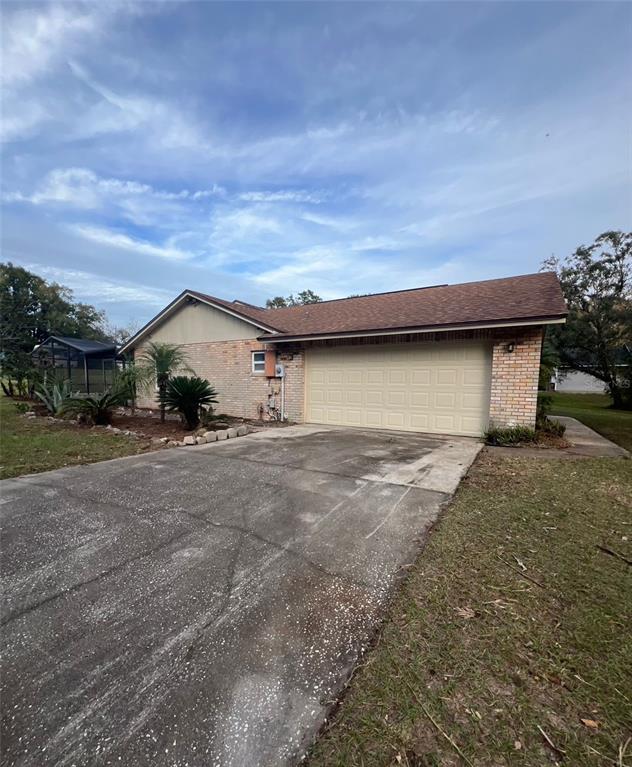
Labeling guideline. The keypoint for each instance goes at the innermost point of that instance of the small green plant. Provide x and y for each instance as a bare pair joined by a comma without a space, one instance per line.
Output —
510,435
53,394
544,424
188,396
22,407
552,427
545,404
207,416
96,409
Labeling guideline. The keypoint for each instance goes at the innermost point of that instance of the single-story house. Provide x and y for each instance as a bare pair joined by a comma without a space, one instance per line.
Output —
576,382
450,359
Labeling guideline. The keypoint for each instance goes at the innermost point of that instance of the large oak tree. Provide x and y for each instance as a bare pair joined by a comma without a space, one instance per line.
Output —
597,337
31,309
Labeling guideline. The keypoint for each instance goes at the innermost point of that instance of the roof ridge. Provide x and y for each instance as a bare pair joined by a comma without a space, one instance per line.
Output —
349,298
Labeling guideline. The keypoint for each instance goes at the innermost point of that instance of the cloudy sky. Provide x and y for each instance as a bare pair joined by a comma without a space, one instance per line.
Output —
250,150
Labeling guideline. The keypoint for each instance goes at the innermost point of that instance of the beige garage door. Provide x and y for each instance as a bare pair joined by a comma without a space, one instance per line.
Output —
433,387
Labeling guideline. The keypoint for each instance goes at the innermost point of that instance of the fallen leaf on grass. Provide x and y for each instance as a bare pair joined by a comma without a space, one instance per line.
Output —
465,612
590,723
517,745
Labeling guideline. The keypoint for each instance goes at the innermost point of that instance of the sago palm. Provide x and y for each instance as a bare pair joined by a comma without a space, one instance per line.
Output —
96,408
160,360
188,396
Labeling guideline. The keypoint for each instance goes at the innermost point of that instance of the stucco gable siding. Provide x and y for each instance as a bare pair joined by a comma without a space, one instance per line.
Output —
200,323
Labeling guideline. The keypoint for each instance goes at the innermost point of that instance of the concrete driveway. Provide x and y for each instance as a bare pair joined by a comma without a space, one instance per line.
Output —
203,606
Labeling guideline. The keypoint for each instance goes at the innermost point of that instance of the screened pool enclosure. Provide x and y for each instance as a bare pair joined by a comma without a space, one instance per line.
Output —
90,366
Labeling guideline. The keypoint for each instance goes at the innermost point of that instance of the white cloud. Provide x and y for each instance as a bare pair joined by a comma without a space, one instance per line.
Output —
290,195
34,38
91,287
82,188
125,242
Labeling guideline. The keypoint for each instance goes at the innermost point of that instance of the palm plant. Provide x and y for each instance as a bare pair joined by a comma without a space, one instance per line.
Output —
98,408
160,360
131,379
187,396
53,394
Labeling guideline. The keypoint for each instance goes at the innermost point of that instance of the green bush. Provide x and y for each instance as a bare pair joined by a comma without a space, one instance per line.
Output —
511,435
551,426
545,405
188,396
22,407
97,409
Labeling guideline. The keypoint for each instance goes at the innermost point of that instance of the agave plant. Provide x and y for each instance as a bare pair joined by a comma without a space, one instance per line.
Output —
160,360
96,409
53,394
187,396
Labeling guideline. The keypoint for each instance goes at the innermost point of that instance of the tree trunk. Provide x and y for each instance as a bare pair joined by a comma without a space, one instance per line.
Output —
617,397
162,402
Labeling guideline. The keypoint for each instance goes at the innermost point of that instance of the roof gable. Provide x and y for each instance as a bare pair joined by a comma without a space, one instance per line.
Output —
182,299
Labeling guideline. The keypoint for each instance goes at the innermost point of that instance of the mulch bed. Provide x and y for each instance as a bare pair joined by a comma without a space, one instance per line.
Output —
148,424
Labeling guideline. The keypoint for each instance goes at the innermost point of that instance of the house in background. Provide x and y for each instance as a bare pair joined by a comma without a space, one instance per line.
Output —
577,382
448,359
566,379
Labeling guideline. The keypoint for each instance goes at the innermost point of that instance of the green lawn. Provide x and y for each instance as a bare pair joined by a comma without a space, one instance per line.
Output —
30,446
512,627
594,410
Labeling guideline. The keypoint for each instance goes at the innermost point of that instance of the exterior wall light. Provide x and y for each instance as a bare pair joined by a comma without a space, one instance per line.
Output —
511,346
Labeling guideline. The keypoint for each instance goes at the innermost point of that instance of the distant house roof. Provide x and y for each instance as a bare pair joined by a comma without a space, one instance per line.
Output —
531,298
84,345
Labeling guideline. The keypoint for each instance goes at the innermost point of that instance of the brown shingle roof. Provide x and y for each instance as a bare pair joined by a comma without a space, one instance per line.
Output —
529,297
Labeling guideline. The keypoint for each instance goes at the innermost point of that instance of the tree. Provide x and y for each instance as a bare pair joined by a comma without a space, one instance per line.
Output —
549,360
31,309
597,284
159,361
302,298
120,334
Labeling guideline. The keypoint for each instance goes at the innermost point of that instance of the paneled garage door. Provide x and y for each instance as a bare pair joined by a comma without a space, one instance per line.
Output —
433,387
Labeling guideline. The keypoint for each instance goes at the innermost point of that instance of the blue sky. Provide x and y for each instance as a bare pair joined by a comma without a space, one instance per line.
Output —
251,150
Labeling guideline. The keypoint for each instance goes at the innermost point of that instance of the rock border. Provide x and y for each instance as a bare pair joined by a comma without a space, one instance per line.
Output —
214,436
207,437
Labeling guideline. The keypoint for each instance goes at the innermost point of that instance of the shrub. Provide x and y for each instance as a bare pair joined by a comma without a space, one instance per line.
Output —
511,435
53,395
96,409
551,427
187,396
545,404
22,407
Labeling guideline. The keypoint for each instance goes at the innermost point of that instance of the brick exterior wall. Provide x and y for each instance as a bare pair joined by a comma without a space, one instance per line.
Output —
514,391
227,365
